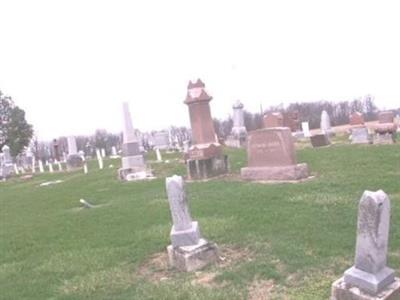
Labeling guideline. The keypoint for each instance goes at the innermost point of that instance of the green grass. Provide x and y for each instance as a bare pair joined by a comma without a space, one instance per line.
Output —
300,236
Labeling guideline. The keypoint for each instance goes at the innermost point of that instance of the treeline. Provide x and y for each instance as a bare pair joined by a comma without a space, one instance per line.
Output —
339,113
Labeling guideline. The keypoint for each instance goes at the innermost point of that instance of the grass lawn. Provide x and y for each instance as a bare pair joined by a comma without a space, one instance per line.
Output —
281,241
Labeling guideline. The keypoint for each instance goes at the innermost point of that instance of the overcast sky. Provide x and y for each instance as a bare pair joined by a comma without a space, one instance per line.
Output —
71,64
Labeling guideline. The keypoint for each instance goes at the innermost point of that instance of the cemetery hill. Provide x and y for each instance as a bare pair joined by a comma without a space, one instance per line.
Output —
280,205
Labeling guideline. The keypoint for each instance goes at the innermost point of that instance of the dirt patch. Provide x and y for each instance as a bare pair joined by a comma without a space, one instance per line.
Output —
261,289
156,269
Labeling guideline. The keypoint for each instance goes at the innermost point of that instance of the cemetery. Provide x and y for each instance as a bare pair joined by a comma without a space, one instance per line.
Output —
271,215
213,150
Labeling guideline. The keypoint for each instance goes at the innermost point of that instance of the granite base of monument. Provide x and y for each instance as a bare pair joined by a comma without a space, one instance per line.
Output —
384,138
198,169
278,173
192,258
320,140
74,161
134,174
344,291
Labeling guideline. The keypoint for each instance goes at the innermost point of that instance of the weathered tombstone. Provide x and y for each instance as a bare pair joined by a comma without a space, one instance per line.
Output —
238,136
51,170
6,166
41,169
114,153
306,129
103,152
272,157
132,159
273,119
158,154
99,159
33,164
186,146
56,150
356,119
320,140
188,250
204,158
15,169
85,167
385,130
325,124
370,278
162,140
74,160
59,166
291,120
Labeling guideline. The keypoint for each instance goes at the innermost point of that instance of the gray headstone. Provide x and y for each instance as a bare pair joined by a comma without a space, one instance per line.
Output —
184,231
369,272
359,135
72,148
325,122
238,129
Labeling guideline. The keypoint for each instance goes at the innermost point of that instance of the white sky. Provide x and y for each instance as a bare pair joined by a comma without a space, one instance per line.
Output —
70,64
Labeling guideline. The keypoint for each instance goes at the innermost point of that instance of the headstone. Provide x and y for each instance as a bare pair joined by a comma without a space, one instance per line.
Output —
272,157
326,124
33,164
16,169
189,251
103,152
320,140
132,159
306,129
99,159
370,278
158,154
273,119
238,136
51,170
41,169
6,165
59,166
356,118
291,120
56,150
114,153
359,135
385,130
85,167
162,140
204,158
74,160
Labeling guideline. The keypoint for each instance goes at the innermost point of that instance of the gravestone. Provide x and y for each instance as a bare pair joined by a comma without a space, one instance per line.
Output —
238,136
272,157
291,120
158,154
161,140
274,119
132,159
74,160
385,130
188,250
306,129
114,153
370,278
6,164
325,124
359,132
56,150
320,140
356,119
99,159
103,152
204,158
40,163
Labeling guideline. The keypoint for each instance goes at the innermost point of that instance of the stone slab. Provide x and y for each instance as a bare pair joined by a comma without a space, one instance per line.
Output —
359,135
136,163
271,147
320,140
384,138
192,258
293,172
371,283
343,291
74,161
187,237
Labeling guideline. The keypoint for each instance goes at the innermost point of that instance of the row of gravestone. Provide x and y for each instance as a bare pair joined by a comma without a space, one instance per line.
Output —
369,278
